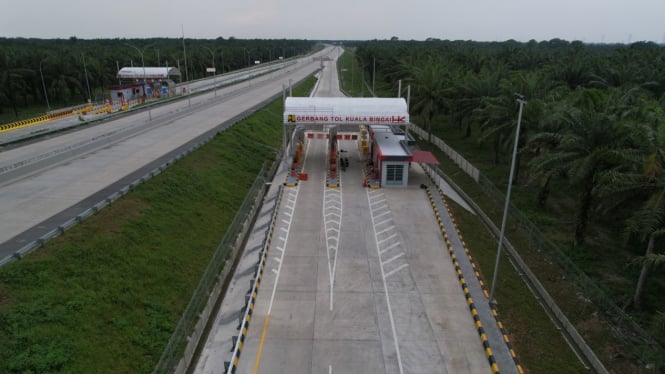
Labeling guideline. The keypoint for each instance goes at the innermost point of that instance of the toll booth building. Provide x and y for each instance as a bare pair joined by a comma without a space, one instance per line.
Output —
390,152
391,155
144,82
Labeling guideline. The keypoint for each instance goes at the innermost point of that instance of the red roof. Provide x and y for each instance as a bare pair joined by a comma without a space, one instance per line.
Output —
423,157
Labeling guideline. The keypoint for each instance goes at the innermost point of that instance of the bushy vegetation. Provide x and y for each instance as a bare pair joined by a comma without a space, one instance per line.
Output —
590,168
61,62
106,295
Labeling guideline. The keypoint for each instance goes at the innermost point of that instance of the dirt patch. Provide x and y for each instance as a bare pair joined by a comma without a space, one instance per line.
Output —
4,299
128,208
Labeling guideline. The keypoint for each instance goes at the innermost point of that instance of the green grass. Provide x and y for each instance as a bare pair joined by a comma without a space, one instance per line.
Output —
106,295
539,345
350,73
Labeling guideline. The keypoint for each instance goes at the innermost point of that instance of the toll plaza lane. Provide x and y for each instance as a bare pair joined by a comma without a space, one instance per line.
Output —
373,291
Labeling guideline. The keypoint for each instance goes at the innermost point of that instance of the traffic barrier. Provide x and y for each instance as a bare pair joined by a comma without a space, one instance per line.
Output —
105,109
51,116
24,123
460,276
250,298
479,277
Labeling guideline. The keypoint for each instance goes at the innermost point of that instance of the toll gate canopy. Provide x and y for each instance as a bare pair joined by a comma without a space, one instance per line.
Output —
345,111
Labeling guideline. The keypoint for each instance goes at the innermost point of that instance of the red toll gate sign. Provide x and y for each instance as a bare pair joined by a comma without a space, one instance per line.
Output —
333,110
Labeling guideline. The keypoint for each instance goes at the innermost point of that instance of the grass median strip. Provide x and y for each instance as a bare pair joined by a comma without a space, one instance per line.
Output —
106,295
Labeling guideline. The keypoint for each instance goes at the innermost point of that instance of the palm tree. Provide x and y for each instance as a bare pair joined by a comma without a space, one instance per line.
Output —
497,119
498,114
468,94
544,142
647,181
429,89
593,142
649,223
13,83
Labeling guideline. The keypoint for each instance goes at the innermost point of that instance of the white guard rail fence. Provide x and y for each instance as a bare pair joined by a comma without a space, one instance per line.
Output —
465,165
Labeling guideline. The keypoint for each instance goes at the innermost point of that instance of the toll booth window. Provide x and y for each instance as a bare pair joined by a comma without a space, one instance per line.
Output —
394,174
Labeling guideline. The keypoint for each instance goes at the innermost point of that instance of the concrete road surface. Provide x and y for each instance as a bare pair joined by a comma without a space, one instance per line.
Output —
46,182
357,280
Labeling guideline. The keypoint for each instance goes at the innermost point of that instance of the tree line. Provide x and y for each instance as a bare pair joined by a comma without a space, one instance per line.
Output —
593,129
63,63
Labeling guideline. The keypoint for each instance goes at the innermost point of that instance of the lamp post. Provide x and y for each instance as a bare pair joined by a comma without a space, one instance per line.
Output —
140,51
214,71
522,100
373,75
245,54
44,85
86,78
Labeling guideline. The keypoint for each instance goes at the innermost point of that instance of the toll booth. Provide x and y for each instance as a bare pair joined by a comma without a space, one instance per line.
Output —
390,150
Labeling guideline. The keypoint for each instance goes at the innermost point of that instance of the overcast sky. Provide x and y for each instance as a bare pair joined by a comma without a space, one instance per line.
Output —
586,20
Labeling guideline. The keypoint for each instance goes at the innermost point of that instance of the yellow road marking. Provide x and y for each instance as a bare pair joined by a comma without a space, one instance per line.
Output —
263,339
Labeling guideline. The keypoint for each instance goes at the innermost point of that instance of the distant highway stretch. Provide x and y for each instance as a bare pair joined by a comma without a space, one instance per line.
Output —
49,180
18,130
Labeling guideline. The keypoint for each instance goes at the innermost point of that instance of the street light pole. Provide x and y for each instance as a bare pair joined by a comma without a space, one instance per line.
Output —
374,77
214,71
140,51
522,100
86,78
44,85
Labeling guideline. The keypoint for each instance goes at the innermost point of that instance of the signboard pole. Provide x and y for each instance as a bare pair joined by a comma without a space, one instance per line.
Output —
408,100
285,153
